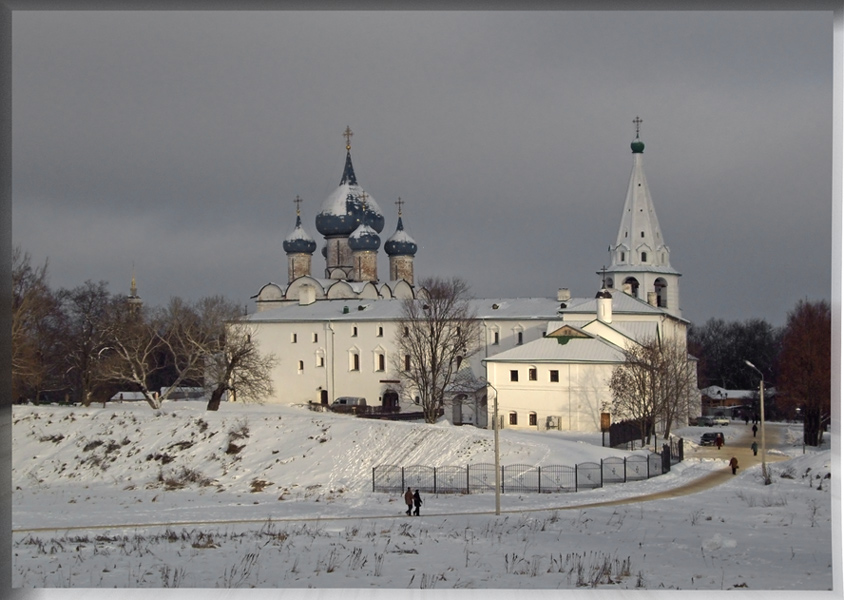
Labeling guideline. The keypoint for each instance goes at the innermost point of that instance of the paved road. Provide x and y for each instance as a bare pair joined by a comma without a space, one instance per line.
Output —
738,447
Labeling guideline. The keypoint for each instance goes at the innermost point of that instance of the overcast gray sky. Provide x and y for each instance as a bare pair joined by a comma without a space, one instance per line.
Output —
177,142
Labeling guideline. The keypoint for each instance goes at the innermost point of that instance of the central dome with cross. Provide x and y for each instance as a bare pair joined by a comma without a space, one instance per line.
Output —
347,207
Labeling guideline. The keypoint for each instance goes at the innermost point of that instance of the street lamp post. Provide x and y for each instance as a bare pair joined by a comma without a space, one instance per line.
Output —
497,454
761,418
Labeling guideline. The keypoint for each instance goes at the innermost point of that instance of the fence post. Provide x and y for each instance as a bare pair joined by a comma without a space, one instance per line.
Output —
467,480
625,469
435,480
502,479
539,479
373,480
575,477
681,449
602,472
402,479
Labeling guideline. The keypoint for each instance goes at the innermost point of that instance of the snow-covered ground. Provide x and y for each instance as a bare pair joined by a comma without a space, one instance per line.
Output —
281,497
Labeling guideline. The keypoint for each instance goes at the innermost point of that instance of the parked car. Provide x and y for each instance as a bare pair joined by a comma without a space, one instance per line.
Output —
720,421
708,438
704,422
349,404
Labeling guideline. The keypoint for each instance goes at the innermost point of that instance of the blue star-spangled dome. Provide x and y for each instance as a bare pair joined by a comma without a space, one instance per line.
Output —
344,210
364,238
299,241
400,243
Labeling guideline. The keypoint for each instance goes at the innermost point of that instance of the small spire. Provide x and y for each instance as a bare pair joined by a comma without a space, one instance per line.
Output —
400,203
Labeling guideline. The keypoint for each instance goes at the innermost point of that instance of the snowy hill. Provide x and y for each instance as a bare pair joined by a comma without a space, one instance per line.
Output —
279,496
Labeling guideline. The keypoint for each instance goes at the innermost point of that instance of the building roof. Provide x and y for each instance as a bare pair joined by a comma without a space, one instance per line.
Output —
550,350
526,309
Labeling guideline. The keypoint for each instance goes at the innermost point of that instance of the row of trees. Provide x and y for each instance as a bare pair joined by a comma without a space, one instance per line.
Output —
84,344
794,359
657,381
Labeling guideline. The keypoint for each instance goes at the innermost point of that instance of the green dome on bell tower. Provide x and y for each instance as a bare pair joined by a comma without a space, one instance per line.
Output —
637,145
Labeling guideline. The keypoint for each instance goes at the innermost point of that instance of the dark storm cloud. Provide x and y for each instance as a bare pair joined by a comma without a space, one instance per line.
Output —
177,142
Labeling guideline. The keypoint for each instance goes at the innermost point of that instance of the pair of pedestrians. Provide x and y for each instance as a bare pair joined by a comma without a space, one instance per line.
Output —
412,500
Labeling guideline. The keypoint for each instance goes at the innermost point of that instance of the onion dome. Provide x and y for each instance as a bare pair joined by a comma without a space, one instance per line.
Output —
637,146
345,209
299,241
364,238
400,243
603,293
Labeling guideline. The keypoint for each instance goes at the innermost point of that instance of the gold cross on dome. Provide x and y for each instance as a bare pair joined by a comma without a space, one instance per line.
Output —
400,203
348,135
297,201
637,121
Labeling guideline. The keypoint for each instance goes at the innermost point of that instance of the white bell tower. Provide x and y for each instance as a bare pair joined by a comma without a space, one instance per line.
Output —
640,260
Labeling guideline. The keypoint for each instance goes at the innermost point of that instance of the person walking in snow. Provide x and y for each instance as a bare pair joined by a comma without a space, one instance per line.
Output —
417,502
754,447
734,464
719,441
408,499
755,429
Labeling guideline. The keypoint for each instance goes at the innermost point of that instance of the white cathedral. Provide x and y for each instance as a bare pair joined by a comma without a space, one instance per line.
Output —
548,359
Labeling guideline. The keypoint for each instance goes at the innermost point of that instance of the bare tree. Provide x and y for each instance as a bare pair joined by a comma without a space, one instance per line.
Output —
137,340
202,342
655,383
436,333
36,320
85,337
805,367
238,366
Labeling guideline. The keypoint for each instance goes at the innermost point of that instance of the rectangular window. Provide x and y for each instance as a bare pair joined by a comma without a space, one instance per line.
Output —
381,362
514,419
495,338
532,419
521,338
355,362
514,375
293,338
301,365
380,332
532,374
407,362
354,331
320,361
316,338
555,376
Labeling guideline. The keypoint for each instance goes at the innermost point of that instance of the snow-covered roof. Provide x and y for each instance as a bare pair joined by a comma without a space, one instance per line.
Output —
551,350
716,391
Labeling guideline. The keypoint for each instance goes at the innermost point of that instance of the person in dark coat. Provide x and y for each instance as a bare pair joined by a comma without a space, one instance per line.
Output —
755,429
417,502
408,499
754,447
719,441
734,464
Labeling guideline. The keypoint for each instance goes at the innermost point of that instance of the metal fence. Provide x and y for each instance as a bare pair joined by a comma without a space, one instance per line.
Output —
479,478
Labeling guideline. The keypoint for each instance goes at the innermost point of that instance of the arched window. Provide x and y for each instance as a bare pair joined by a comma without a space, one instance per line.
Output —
631,286
644,257
661,289
532,419
514,418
